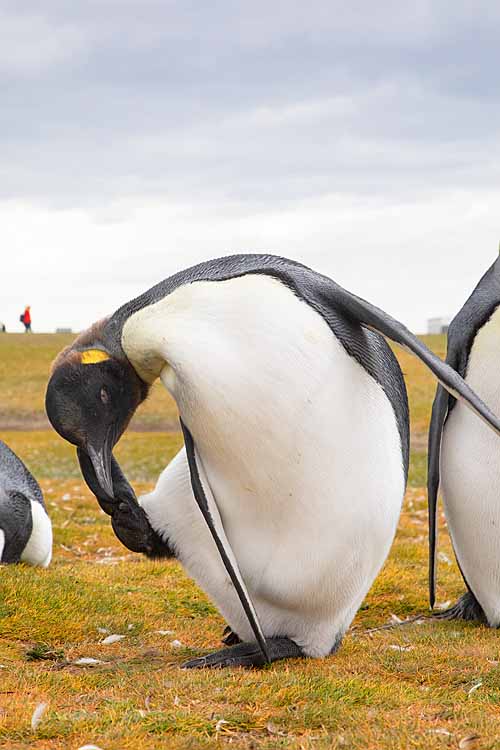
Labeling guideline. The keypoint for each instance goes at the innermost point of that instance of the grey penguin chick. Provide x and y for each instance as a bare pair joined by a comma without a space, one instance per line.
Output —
284,502
464,457
25,527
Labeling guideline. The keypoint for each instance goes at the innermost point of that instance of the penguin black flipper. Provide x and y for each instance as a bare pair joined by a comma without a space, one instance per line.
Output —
128,519
476,311
372,317
439,413
227,557
457,346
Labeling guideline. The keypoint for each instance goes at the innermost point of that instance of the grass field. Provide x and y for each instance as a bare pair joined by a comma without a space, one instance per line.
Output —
425,685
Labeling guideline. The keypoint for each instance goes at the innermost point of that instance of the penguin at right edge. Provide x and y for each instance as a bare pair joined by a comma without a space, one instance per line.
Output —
464,457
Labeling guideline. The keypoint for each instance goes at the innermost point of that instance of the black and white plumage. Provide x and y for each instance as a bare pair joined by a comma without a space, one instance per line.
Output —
25,528
464,456
295,419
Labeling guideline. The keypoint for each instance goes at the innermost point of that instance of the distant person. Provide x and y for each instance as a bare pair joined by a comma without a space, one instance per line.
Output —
2,327
26,319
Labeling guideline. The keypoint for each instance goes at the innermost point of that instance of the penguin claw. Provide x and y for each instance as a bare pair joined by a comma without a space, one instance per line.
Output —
251,656
466,608
247,655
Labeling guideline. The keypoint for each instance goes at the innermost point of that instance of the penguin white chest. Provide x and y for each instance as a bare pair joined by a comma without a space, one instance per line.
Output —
470,475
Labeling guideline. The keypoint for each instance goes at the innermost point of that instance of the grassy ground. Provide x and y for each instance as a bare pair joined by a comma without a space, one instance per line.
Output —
426,685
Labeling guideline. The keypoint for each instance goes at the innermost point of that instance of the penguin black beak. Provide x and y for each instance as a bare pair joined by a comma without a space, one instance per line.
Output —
101,463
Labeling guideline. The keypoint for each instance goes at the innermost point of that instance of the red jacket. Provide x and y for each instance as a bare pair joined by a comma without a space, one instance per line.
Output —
27,316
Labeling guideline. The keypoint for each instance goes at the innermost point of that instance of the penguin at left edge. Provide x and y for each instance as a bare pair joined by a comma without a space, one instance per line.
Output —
25,527
295,421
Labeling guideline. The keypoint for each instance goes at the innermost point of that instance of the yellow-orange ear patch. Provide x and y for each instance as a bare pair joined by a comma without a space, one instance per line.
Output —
93,356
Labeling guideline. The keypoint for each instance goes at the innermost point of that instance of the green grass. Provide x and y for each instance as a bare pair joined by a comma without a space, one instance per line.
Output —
407,687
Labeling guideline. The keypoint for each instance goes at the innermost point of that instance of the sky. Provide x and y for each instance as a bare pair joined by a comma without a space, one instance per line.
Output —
139,138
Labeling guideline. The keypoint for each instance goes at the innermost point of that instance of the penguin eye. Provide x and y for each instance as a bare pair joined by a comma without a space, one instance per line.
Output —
104,395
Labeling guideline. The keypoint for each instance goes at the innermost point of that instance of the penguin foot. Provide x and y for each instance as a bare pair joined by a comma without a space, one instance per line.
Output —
247,655
467,608
229,637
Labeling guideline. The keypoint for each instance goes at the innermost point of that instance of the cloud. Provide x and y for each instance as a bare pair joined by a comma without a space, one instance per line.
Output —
138,138
31,44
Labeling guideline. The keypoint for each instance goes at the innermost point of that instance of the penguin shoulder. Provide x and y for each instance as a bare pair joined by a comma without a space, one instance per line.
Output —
144,337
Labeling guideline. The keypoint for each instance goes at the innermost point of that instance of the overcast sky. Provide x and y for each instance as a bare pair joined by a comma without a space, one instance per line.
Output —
137,138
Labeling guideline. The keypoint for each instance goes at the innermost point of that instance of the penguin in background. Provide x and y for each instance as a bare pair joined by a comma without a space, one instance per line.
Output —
464,458
284,501
25,527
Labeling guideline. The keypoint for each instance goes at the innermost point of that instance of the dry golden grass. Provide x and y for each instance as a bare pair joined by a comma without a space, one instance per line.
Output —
427,685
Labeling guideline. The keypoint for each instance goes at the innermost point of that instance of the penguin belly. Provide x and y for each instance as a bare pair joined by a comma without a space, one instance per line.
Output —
470,476
38,550
301,449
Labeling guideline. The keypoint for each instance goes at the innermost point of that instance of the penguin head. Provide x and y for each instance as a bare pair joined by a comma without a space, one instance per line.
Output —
91,397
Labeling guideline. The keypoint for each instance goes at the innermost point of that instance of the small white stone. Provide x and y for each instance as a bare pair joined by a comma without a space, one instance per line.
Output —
444,558
87,661
113,638
37,715
475,687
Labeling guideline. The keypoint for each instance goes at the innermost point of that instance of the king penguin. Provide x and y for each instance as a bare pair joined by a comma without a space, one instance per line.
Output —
464,457
284,501
25,528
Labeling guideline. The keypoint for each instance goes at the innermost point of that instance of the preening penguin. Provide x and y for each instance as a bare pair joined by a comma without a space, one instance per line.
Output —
25,528
295,419
464,457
